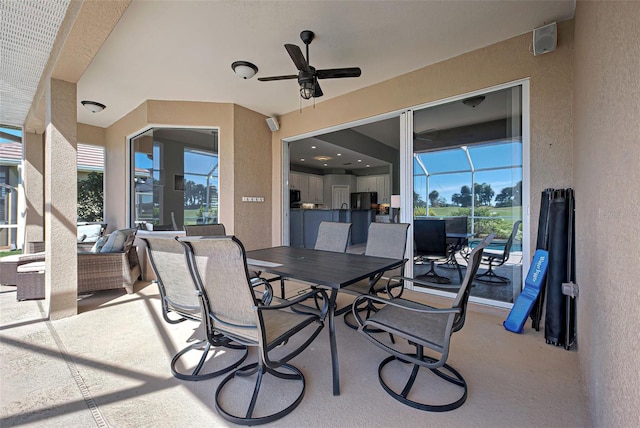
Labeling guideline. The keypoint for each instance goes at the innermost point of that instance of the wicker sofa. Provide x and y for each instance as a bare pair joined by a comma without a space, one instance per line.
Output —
108,270
96,270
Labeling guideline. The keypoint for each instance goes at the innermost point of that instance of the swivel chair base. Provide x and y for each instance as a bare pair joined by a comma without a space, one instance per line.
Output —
432,275
401,396
259,370
490,277
204,347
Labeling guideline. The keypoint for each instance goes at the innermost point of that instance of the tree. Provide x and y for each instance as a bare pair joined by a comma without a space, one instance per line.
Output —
91,198
483,194
462,199
510,196
417,201
433,198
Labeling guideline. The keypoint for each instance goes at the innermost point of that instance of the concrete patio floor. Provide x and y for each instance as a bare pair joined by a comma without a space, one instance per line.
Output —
109,367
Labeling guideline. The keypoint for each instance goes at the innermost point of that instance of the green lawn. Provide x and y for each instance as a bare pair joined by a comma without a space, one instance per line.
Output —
514,212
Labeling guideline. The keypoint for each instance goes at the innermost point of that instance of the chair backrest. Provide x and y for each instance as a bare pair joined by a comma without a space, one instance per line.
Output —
219,268
509,243
333,236
216,229
465,288
387,240
430,237
457,224
173,276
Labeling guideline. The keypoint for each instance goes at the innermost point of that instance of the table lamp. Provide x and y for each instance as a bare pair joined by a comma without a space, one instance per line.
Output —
395,207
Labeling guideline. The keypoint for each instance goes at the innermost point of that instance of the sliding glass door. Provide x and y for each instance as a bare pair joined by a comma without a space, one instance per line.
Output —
468,174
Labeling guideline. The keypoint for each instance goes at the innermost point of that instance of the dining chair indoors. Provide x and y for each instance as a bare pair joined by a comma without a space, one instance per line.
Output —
383,240
219,267
422,326
180,302
430,238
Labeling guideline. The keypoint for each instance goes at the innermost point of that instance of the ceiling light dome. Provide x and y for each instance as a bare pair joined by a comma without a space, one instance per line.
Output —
93,106
244,69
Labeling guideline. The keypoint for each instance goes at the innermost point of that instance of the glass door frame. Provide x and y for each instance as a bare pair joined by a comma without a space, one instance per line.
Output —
406,180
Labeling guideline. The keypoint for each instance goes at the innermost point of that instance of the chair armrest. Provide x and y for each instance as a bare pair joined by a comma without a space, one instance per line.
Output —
299,299
400,303
421,282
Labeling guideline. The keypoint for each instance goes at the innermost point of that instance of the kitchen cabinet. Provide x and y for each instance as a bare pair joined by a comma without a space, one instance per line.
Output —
316,189
376,183
311,187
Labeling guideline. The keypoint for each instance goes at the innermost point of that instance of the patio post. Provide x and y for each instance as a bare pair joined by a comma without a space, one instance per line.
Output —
61,211
31,216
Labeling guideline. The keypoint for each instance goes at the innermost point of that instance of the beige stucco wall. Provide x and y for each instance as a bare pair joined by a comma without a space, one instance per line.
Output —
551,97
252,177
245,162
607,180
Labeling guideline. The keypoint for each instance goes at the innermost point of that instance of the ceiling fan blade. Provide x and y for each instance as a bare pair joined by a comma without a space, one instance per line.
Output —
297,57
336,73
317,90
268,79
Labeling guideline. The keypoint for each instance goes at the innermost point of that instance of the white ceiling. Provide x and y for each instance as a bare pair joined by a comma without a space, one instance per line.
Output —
183,50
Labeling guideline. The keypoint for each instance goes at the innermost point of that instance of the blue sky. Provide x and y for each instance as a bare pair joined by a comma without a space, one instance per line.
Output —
505,156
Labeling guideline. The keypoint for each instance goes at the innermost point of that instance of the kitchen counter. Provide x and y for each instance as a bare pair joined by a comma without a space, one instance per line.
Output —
303,224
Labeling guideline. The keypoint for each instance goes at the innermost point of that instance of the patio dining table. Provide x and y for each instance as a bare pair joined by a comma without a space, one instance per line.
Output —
323,268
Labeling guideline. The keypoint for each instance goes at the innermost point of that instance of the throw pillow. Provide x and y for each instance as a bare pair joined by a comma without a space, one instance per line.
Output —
115,243
97,247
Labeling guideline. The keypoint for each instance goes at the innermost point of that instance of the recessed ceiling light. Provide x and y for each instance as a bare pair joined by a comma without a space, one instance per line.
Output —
313,147
359,160
302,160
325,164
339,154
368,166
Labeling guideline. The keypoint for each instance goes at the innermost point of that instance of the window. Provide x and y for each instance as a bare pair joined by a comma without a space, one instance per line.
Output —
175,177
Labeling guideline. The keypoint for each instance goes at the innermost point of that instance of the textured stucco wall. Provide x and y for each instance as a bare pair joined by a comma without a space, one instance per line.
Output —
550,103
607,181
252,177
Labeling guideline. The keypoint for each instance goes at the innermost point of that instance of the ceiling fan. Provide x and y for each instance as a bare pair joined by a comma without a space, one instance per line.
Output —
308,76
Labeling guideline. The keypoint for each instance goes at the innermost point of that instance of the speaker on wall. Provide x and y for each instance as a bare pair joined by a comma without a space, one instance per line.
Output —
273,124
545,39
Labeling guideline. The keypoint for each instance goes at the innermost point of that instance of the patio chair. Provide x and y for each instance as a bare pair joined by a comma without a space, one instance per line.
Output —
332,236
180,302
216,229
423,327
496,258
384,240
430,238
219,268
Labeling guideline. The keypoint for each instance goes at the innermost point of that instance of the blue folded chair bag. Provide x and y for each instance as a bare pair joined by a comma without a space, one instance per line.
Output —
524,302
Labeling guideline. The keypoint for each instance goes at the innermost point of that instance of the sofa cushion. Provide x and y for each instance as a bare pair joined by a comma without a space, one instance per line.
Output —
117,240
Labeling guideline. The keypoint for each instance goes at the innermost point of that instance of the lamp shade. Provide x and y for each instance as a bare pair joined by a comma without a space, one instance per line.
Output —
395,201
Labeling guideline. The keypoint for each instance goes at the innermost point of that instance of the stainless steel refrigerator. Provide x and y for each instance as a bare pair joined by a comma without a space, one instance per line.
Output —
364,201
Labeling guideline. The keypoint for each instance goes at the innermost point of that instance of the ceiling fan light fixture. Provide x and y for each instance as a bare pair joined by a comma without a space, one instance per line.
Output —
307,89
244,69
93,106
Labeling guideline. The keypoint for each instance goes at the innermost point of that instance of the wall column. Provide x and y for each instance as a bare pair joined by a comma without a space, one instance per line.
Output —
33,186
61,200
